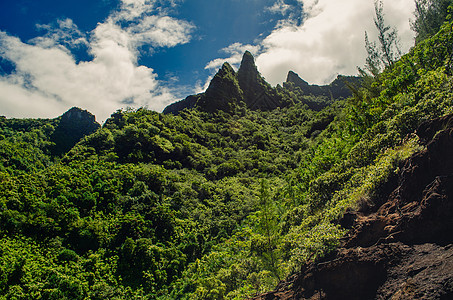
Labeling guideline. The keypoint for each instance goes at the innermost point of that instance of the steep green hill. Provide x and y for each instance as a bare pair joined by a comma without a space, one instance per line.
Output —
220,201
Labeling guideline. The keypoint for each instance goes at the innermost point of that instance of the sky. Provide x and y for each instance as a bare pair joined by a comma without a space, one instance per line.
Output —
105,55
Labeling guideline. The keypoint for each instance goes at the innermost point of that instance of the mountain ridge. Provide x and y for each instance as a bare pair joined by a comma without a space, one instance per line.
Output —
248,88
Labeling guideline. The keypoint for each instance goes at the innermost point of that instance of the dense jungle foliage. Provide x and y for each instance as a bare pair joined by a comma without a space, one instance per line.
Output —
205,205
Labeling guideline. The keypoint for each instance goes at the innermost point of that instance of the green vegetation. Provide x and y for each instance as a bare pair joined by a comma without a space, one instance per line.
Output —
429,17
205,205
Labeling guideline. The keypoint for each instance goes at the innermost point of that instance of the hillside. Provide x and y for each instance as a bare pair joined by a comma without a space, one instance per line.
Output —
400,248
229,192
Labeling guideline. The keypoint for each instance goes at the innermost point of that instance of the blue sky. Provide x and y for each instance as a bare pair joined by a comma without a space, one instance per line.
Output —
103,55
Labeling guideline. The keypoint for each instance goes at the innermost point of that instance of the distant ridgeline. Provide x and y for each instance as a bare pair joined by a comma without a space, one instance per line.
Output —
62,132
247,87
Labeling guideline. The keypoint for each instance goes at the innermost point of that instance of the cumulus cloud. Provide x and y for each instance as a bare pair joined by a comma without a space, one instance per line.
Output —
161,31
65,33
202,86
330,41
47,80
234,54
279,7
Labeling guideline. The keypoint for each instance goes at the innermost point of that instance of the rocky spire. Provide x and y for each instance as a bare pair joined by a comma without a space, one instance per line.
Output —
250,80
223,91
294,78
258,94
247,67
229,88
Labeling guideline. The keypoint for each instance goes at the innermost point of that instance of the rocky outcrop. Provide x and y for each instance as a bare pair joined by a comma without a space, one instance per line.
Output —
247,87
72,127
258,94
401,249
229,89
223,92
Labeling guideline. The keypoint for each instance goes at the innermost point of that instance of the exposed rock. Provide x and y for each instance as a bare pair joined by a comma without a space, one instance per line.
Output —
72,127
228,89
223,91
258,94
403,248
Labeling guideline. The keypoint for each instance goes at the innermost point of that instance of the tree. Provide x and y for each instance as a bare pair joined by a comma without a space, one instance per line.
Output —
384,54
429,17
266,240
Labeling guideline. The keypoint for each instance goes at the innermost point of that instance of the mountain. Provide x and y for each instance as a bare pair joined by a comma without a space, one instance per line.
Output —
351,200
31,145
336,90
229,89
311,94
258,94
223,92
72,126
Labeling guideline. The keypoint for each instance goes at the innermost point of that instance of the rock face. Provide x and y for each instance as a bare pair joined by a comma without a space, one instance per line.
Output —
401,249
73,126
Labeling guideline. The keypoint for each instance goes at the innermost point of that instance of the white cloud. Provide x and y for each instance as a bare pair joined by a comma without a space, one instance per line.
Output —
15,98
133,9
201,86
66,33
161,31
234,52
312,7
47,80
279,7
331,39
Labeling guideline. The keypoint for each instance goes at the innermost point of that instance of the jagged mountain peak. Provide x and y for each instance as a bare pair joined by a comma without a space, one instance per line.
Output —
229,88
227,67
223,91
337,89
248,63
248,86
295,78
225,70
258,94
